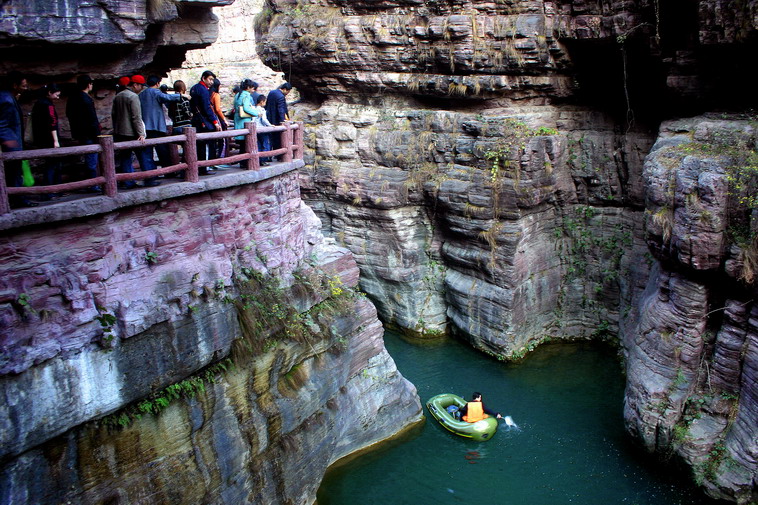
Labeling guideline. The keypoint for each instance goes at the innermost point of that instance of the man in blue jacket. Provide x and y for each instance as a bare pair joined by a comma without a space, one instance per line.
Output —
12,132
203,117
152,100
276,111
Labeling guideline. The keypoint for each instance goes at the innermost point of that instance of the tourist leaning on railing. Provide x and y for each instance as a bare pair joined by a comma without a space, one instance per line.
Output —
276,108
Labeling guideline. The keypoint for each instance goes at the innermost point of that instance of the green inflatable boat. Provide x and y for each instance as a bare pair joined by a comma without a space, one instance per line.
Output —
480,431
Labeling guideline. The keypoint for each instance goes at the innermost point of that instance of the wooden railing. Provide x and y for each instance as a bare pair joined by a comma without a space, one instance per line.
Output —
291,142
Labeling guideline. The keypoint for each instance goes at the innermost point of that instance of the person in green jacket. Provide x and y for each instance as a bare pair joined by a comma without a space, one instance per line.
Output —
244,112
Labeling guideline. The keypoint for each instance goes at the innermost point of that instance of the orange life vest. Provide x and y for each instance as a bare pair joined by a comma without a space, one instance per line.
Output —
474,412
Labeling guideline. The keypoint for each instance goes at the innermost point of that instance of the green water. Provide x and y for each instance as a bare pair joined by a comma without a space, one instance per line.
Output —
570,447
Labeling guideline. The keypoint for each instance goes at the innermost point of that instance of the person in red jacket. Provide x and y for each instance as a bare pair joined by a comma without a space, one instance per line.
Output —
475,410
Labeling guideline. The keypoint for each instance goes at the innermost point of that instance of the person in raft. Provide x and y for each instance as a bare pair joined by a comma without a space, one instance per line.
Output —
475,410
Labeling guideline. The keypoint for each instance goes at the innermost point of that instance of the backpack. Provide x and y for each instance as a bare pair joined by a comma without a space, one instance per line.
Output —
182,114
453,411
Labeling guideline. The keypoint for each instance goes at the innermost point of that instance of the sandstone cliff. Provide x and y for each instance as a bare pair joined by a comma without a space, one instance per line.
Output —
487,164
55,40
450,153
116,330
693,347
232,56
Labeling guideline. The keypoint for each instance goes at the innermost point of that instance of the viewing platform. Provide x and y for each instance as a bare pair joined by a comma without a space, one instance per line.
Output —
76,204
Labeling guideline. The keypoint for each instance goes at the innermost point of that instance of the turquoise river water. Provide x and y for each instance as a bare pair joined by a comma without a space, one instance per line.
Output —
570,446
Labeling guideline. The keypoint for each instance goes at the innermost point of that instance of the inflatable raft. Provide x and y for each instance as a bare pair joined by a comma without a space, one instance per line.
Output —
479,431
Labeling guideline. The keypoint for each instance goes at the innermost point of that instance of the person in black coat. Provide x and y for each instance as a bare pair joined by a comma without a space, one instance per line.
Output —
203,117
276,111
85,126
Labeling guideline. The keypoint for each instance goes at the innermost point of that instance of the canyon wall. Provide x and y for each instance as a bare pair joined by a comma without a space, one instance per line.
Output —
192,343
57,40
497,169
208,347
457,153
232,56
491,166
693,348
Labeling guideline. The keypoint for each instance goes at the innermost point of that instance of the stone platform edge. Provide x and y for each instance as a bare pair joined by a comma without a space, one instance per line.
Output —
94,205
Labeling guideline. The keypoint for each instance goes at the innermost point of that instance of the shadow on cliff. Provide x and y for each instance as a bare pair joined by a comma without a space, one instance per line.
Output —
665,70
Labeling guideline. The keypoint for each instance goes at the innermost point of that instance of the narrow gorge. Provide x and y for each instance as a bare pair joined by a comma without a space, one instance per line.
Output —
514,173
509,173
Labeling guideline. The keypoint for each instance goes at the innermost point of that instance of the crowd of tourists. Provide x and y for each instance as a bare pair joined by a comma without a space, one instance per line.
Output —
142,109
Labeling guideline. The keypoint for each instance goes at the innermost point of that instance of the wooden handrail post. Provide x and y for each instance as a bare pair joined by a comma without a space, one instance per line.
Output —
251,146
299,140
190,153
173,152
108,164
5,206
287,141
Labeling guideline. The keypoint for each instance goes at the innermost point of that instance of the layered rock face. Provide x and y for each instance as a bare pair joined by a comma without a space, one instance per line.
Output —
692,353
57,40
507,50
53,40
484,163
480,222
478,218
140,305
232,56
